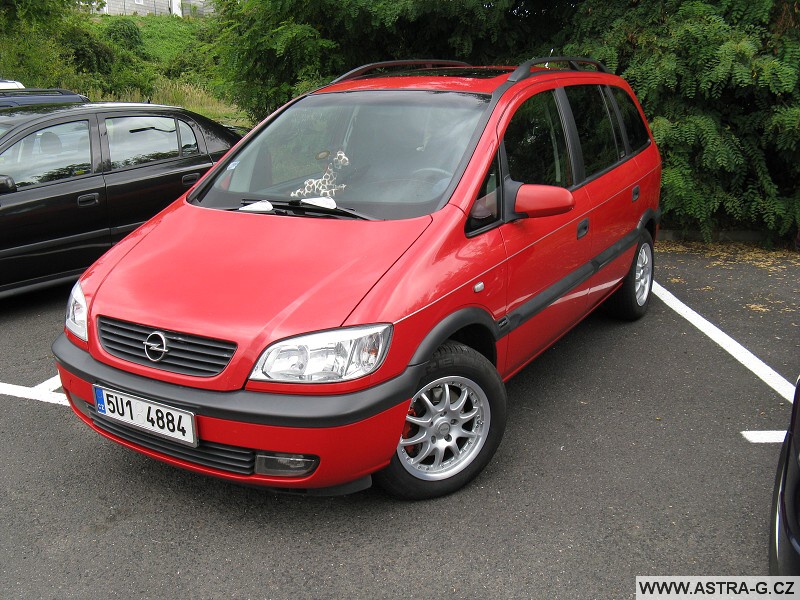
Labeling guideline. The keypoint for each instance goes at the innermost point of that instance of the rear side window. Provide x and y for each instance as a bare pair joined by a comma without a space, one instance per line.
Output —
138,140
188,139
535,144
597,132
631,119
53,153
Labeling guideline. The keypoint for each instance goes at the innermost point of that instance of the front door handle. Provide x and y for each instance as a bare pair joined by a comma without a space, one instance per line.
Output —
583,228
190,179
635,194
88,200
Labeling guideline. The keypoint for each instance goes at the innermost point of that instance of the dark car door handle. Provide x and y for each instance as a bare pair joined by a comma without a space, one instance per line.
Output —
583,228
635,193
88,200
190,179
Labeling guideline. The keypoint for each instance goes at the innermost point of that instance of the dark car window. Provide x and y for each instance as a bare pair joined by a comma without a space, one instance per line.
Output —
50,154
141,139
631,119
486,209
535,144
596,130
188,139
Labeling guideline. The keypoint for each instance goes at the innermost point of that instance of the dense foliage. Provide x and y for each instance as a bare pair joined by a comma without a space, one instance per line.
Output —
275,49
108,57
720,81
15,11
718,78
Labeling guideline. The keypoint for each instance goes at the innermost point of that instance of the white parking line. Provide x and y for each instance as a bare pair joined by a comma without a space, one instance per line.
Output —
764,437
42,392
727,343
51,385
740,353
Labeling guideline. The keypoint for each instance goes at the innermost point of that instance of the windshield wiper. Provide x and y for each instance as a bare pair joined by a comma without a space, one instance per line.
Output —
256,206
325,206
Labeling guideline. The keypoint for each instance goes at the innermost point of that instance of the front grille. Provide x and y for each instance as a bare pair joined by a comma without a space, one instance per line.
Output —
232,459
188,354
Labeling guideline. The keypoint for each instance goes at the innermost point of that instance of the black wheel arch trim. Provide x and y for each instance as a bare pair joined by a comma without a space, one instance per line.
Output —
452,323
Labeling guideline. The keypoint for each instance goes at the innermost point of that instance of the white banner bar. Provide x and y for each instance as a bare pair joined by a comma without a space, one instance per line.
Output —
716,588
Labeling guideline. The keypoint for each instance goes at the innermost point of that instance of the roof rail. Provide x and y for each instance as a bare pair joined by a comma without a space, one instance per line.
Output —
574,62
38,92
425,64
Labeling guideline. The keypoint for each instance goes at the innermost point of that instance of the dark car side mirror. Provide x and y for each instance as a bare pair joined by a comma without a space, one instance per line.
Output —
543,200
7,184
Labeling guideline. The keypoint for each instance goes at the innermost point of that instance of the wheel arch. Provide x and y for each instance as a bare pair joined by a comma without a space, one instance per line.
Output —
472,326
649,221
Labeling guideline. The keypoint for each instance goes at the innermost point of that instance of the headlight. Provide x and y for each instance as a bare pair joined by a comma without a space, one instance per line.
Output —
76,312
327,356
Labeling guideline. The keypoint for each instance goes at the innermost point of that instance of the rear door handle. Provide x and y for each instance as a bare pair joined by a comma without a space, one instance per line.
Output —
635,193
583,228
190,179
88,200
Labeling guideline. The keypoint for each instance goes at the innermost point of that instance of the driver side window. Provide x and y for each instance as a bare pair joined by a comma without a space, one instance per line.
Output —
535,144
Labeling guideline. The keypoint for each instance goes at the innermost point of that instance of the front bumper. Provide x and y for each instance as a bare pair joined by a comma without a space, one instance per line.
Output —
353,434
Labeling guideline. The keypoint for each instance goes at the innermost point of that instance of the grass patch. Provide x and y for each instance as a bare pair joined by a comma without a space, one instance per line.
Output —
178,93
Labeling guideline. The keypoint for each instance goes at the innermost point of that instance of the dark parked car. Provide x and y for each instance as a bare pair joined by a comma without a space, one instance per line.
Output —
75,179
784,547
22,97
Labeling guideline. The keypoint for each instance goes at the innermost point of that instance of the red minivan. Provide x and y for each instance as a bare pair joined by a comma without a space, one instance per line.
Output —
343,296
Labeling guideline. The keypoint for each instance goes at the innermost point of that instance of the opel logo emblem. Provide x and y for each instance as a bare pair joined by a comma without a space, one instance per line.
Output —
155,346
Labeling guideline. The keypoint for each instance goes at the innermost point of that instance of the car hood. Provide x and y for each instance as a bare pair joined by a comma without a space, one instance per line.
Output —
250,278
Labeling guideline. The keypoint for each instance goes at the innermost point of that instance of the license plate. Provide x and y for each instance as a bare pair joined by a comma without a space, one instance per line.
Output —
156,418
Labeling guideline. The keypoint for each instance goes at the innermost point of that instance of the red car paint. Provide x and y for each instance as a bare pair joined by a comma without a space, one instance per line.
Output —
254,279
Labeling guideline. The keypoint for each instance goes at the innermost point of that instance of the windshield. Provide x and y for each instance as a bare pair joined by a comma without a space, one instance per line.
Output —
385,154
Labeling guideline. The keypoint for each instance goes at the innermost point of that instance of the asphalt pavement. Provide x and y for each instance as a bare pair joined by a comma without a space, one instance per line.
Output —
623,456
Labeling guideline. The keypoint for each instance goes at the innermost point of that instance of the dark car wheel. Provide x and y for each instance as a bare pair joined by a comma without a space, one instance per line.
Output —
630,301
454,425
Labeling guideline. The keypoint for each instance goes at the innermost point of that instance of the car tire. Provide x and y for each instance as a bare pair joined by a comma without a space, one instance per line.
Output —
631,300
454,424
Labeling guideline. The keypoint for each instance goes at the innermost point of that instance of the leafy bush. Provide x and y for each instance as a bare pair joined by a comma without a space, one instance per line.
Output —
272,50
33,56
84,48
124,33
721,82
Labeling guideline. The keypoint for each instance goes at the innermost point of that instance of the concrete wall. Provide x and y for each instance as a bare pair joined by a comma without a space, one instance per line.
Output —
158,7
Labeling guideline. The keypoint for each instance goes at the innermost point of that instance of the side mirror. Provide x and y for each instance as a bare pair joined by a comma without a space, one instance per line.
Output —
7,184
543,200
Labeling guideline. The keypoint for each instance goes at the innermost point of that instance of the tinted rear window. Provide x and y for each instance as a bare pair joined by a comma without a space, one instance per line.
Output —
631,119
596,130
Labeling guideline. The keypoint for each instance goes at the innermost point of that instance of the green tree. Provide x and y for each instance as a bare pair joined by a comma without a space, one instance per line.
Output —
14,11
275,49
720,81
124,33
